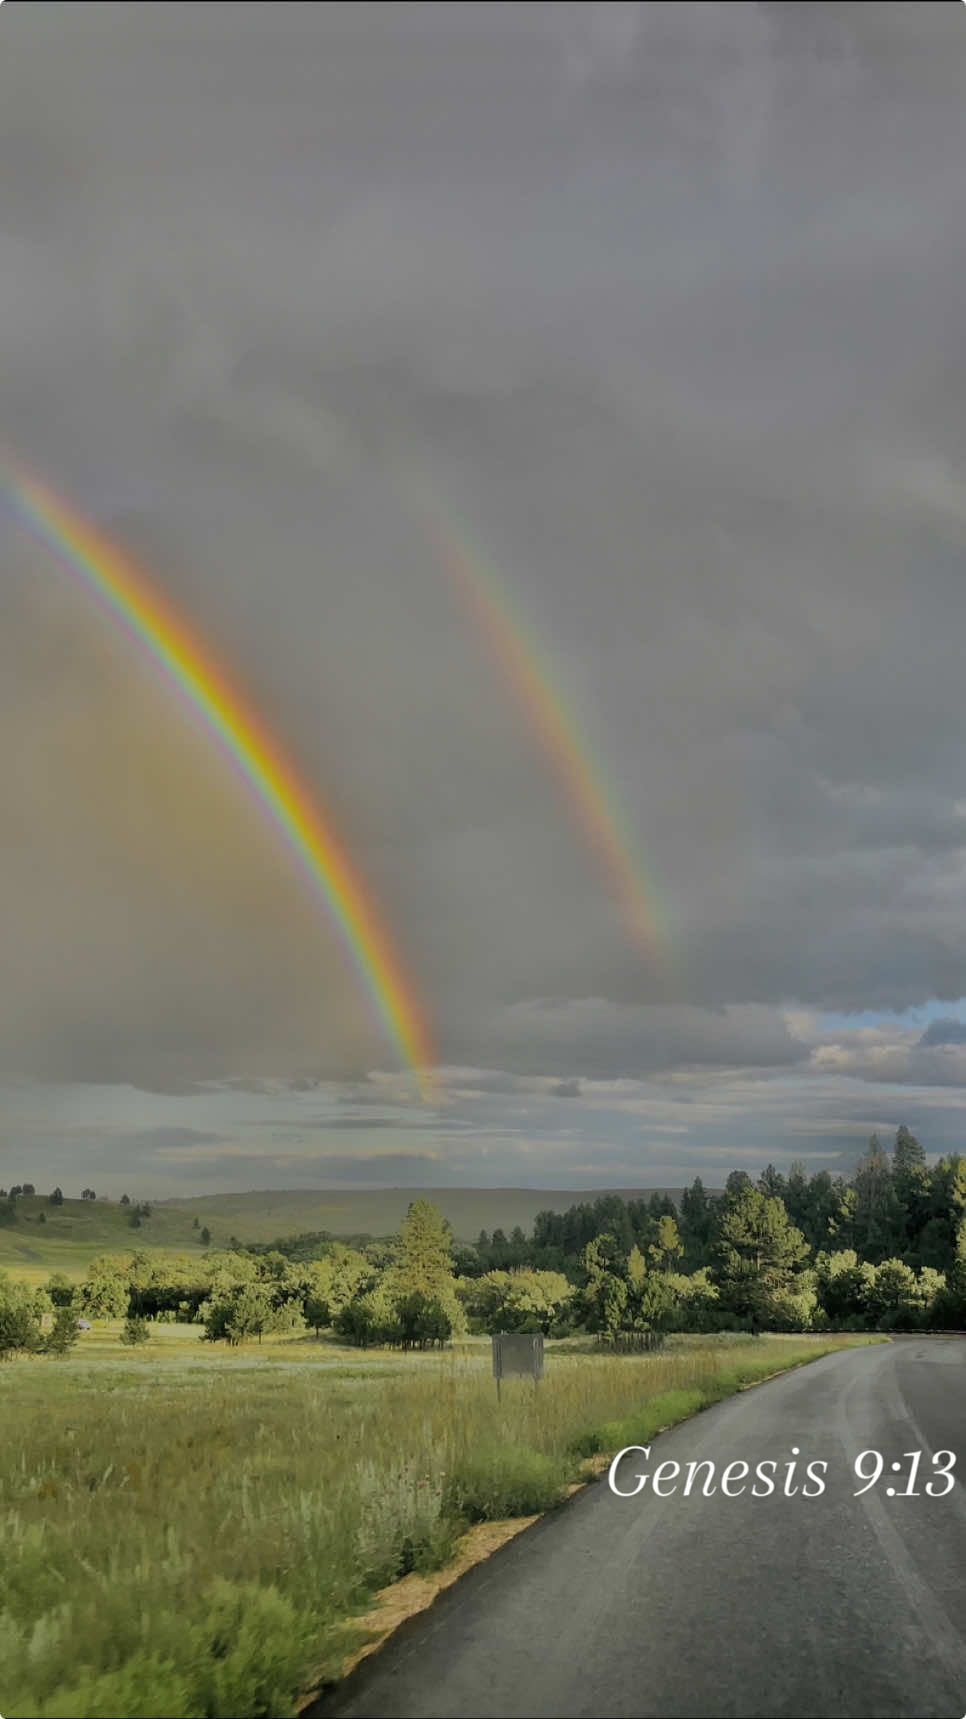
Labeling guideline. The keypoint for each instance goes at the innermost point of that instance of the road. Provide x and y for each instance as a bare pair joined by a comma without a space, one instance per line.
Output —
694,1607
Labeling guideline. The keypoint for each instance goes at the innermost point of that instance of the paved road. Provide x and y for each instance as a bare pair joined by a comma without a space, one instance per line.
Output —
695,1607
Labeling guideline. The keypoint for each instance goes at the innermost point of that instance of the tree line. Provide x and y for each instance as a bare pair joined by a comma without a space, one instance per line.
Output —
884,1249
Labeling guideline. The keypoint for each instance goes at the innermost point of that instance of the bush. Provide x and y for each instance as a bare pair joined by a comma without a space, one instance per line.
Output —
21,1310
135,1330
500,1480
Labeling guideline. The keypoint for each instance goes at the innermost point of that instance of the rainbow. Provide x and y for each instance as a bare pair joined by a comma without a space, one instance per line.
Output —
145,615
528,671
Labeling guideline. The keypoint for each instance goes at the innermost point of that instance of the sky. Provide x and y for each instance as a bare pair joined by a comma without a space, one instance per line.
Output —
652,316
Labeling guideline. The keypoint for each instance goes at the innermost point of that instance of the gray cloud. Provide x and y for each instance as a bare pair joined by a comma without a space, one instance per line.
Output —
660,308
944,1032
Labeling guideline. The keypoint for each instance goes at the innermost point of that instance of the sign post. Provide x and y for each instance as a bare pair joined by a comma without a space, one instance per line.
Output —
517,1356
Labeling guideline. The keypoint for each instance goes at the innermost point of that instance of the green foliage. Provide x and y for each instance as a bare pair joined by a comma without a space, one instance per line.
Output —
425,1262
516,1300
499,1480
64,1331
135,1331
759,1253
106,1290
668,1247
22,1310
108,1529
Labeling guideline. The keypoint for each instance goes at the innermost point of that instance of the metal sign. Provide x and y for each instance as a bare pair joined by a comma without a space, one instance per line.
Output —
517,1357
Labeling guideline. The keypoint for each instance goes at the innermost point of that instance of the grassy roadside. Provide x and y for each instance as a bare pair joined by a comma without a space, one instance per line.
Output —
197,1539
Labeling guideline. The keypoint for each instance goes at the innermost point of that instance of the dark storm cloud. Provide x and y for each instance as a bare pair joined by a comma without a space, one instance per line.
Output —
660,307
944,1032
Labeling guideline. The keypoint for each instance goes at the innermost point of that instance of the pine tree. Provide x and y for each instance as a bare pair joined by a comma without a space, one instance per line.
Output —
759,1253
424,1265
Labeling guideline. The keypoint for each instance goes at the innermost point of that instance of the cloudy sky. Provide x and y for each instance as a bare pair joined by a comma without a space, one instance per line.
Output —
659,309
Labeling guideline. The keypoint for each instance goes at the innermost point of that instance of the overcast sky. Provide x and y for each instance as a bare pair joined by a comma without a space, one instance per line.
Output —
664,305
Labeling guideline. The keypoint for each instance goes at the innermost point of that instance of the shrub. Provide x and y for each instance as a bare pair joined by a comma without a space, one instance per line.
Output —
21,1310
65,1331
135,1330
499,1480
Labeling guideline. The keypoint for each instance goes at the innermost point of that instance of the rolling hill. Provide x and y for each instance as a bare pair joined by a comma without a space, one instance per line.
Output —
45,1238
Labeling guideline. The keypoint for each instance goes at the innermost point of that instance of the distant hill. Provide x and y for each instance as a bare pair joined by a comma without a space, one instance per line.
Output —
380,1211
73,1234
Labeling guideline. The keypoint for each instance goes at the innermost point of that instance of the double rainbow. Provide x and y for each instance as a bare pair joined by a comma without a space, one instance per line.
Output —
147,617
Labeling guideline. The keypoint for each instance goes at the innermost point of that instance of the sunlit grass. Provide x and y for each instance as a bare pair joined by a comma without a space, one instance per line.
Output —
185,1530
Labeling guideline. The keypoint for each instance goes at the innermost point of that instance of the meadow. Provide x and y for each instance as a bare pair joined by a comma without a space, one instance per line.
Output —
190,1530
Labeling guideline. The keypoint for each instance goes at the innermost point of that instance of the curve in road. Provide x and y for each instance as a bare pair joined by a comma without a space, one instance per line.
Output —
830,1606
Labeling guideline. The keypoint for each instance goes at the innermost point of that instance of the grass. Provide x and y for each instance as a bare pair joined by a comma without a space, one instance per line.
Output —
187,1531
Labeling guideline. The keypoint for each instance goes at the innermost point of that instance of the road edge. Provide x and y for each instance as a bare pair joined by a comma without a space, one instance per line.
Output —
405,1599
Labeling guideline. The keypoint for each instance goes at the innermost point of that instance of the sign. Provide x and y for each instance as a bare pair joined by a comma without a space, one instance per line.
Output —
517,1357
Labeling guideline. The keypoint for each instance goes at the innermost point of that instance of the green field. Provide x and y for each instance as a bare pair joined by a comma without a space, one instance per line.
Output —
73,1234
189,1530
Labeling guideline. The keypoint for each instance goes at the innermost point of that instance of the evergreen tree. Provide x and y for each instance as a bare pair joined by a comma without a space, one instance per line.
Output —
424,1263
696,1218
759,1253
878,1214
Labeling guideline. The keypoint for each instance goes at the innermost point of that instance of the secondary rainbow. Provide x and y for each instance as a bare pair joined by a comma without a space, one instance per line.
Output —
531,676
135,603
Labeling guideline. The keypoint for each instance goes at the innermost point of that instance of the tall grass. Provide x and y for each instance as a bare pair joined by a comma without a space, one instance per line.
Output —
191,1541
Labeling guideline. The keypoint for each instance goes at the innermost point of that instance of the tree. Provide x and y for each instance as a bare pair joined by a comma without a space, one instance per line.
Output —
21,1312
317,1311
907,1154
603,1300
60,1289
772,1183
737,1183
879,1225
245,1311
650,1299
105,1291
205,1236
844,1284
64,1333
57,1197
125,1199
912,1183
893,1292
424,1264
29,1188
759,1253
668,1246
421,1321
135,1330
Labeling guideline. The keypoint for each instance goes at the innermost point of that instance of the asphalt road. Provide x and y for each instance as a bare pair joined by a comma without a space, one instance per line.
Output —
694,1607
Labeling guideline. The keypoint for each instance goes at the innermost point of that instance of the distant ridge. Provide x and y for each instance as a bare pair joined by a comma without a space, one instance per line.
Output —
263,1215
